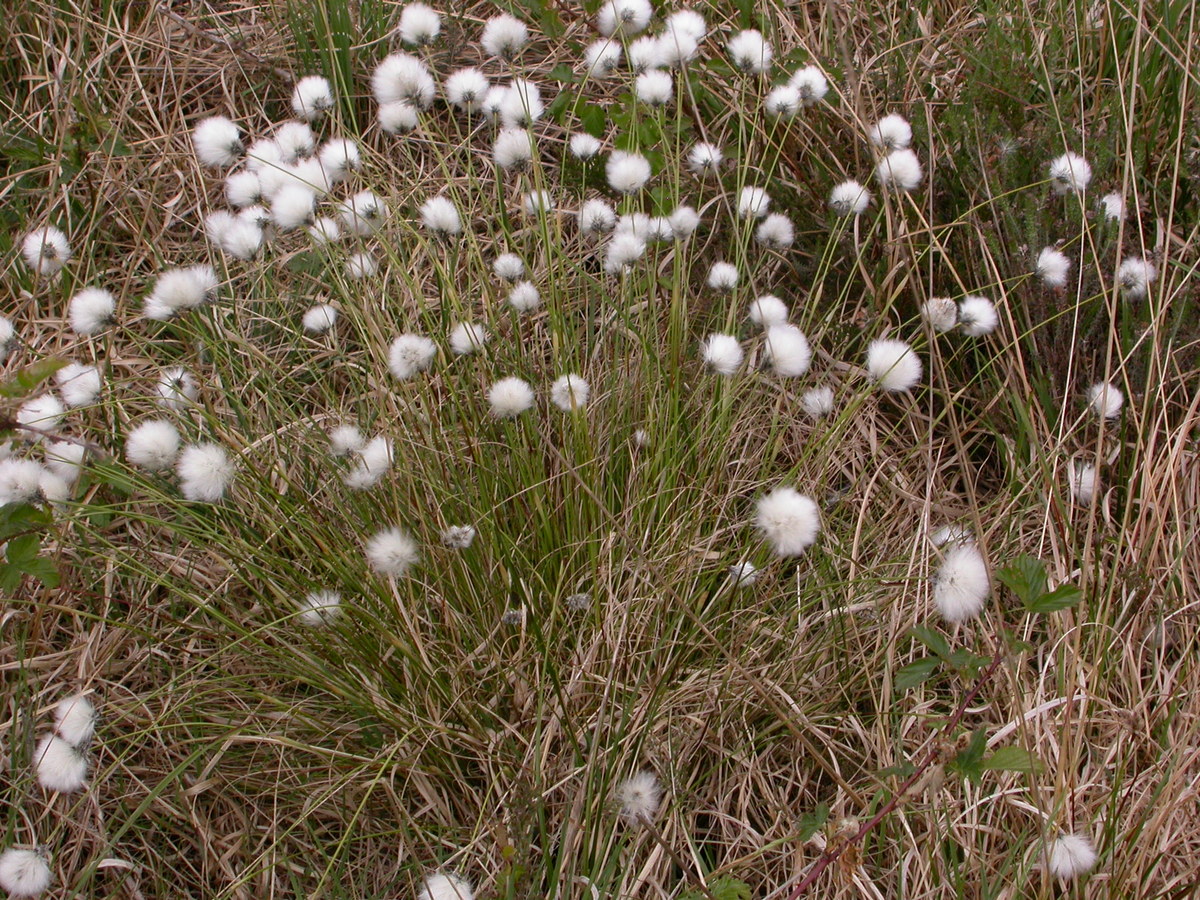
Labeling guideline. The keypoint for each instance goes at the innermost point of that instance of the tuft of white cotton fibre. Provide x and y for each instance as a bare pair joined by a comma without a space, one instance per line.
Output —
1070,173
788,520
892,132
445,886
509,397
60,767
977,316
787,349
468,337
205,472
1105,399
638,797
24,873
319,319
849,199
899,170
817,402
893,364
218,142
391,552
941,313
504,36
79,384
722,353
410,354
1052,267
312,97
153,445
570,392
75,719
962,584
91,310
1069,856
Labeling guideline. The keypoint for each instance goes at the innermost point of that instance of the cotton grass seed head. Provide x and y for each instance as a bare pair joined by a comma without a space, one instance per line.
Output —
401,76
45,251
941,313
622,252
811,85
410,354
75,720
1052,267
570,393
787,349
60,767
977,316
753,203
218,142
391,552
1112,207
524,297
339,158
24,873
596,217
750,52
743,574
503,36
458,537
817,402
467,338
962,583
1105,399
295,140
654,87
319,608
465,89
509,397
40,415
893,364
775,232
1070,173
205,472
65,459
319,319
509,267
849,199
444,886
8,333
684,221
20,481
1081,481
783,102
704,159
1134,276
646,54
346,439
601,58
521,105
513,149
1069,856
398,117
627,172
293,207
722,353
583,146
419,24
900,170
788,520
243,189
360,266
623,18
687,21
768,310
537,203
892,132
312,97
79,384
722,277
638,798
153,445
176,388
91,311
363,213
374,461
440,216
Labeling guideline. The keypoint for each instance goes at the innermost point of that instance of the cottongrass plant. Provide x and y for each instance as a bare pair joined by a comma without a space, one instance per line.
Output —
502,403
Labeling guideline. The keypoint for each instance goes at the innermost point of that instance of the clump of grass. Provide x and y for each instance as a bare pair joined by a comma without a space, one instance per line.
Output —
454,457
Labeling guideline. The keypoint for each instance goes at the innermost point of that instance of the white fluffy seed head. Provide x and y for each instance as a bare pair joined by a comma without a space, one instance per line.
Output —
60,767
312,97
638,797
750,52
468,337
410,354
627,172
374,461
977,316
466,88
504,36
319,319
440,216
153,445
295,140
768,310
445,886
1135,275
217,141
941,313
458,537
1070,173
363,213
584,146
339,157
1069,856
705,159
722,353
524,297
537,203
75,720
243,188
601,58
346,439
849,199
753,203
622,252
1105,399
509,267
811,84
646,53
788,520
570,392
596,217
513,149
176,388
783,102
892,132
509,397
43,413
20,480
45,250
402,76
419,24
521,105
962,583
623,18
743,574
684,221
817,402
654,87
361,265
788,350
1081,480
178,290
205,472
723,277
319,608
79,384
1112,207
398,117
775,232
900,170
65,459
8,333
1053,266
292,207
392,552
893,364
24,873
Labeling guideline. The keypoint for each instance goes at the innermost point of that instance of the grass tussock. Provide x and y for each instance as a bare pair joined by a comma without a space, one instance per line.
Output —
572,695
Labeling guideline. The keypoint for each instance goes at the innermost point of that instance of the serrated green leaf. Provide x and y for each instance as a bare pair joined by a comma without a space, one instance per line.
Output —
811,823
1026,578
562,73
969,761
43,570
965,659
20,550
724,887
1062,597
594,119
16,518
931,639
25,381
1012,759
916,672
